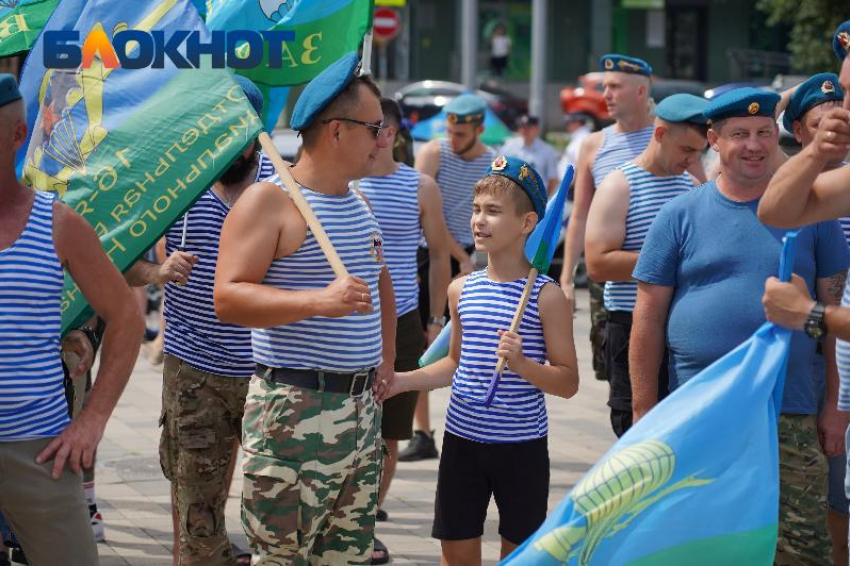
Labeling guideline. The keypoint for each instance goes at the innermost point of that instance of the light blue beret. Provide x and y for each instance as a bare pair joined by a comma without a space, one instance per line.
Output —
624,64
252,93
818,89
8,89
465,108
841,40
524,175
682,107
745,101
322,90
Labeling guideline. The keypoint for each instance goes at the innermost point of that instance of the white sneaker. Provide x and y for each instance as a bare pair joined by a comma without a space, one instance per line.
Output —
96,524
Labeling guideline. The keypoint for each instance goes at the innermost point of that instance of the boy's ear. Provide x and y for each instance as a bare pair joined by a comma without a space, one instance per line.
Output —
529,222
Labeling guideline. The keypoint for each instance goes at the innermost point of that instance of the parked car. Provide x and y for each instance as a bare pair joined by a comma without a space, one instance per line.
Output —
423,99
587,96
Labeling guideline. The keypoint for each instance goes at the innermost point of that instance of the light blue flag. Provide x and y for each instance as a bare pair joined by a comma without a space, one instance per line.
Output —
695,482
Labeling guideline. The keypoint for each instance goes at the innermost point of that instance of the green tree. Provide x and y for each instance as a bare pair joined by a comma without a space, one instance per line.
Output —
812,24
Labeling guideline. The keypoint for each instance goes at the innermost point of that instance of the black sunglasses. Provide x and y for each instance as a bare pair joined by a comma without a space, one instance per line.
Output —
375,127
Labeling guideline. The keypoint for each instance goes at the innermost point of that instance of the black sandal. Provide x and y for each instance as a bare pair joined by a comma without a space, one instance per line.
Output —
380,548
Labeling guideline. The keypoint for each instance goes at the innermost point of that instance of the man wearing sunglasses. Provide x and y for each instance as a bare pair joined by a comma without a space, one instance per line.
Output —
324,346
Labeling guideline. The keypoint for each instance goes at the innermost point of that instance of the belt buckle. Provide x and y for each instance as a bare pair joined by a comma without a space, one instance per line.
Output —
354,378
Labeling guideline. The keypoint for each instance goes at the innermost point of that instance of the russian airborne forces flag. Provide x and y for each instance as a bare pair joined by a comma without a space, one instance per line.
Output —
695,482
129,149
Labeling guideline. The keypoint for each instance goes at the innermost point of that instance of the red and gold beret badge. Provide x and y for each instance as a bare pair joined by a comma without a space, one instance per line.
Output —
499,163
753,108
827,87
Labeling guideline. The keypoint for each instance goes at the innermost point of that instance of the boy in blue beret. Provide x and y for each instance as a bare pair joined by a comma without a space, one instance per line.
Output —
324,345
499,451
701,274
456,163
621,212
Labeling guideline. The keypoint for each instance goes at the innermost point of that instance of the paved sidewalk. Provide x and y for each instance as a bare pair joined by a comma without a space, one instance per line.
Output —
135,502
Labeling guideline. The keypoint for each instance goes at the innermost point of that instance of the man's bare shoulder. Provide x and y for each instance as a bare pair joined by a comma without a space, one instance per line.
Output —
614,183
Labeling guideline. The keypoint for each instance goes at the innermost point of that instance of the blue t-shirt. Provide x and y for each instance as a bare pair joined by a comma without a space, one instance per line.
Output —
717,255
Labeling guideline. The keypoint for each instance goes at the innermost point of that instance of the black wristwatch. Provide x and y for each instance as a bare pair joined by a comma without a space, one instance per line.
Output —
438,320
815,325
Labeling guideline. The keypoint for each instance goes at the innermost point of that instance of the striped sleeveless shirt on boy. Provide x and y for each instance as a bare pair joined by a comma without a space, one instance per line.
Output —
647,194
518,411
345,344
395,203
616,149
193,332
32,396
456,178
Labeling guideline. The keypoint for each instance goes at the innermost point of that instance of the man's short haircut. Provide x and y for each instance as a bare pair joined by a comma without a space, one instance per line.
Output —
717,125
501,186
392,112
340,107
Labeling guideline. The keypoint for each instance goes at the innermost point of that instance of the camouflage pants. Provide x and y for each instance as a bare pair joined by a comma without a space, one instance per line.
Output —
598,320
201,421
803,538
312,469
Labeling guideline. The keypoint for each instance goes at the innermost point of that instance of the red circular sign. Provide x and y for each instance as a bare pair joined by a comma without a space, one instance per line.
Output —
386,23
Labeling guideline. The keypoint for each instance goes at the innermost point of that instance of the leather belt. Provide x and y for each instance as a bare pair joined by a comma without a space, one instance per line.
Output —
354,384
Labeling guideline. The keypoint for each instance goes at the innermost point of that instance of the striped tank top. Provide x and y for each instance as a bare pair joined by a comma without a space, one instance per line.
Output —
193,332
518,411
456,177
616,149
395,203
647,194
32,396
842,354
345,344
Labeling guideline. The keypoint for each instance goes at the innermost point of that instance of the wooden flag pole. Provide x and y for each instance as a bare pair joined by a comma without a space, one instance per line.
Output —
282,168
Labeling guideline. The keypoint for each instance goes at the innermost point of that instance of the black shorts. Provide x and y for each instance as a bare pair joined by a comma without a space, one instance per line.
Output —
410,343
516,474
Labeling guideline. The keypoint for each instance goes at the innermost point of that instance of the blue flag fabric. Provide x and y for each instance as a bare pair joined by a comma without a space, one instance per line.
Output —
696,481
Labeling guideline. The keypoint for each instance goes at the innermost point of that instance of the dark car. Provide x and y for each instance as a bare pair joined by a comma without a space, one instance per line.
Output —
423,99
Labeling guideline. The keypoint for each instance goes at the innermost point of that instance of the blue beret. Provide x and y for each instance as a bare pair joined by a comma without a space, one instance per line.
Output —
682,107
818,89
465,108
321,91
745,101
524,175
252,93
8,89
841,40
623,64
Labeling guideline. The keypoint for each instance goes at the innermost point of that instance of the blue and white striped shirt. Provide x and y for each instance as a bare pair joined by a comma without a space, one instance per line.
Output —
647,194
395,203
842,355
518,411
193,332
616,149
456,178
32,396
345,344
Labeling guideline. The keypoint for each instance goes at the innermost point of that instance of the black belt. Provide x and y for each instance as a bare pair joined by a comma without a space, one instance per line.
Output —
355,384
620,317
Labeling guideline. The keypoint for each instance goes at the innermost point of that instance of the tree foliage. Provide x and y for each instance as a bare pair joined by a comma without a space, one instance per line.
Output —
812,24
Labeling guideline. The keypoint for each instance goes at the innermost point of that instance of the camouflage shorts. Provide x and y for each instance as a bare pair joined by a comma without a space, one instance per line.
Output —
598,320
803,538
201,422
312,468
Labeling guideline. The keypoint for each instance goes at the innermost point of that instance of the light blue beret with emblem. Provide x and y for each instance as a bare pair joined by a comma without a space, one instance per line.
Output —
744,101
8,89
321,91
624,64
817,89
524,175
841,40
465,108
682,107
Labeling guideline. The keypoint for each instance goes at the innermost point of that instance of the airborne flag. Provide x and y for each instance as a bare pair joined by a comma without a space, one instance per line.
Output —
696,481
20,23
129,149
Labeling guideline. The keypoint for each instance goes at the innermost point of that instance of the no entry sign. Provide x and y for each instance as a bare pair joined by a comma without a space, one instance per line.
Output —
386,24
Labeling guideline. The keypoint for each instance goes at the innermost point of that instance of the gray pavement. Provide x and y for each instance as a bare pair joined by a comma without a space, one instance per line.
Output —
134,496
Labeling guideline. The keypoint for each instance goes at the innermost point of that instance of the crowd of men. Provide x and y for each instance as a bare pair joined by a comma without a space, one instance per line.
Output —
297,335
